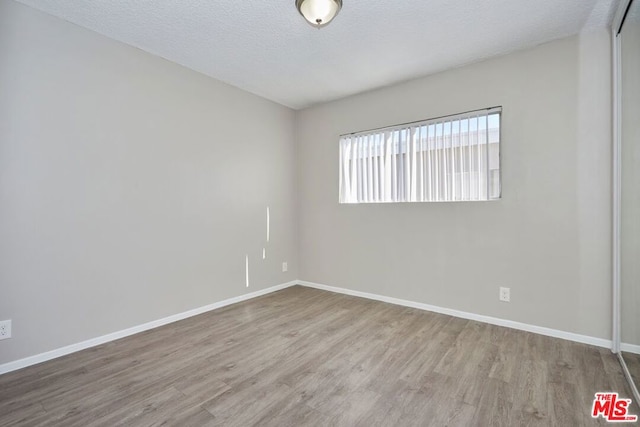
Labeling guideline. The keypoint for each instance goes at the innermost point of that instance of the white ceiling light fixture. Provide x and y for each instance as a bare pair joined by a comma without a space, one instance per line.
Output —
319,12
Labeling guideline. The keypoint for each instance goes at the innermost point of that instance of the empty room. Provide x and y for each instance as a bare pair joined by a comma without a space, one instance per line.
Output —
319,213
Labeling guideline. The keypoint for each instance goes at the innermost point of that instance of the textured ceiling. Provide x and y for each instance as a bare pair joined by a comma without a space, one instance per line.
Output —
267,48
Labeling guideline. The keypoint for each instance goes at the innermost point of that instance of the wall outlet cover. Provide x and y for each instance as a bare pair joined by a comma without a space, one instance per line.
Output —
5,329
505,294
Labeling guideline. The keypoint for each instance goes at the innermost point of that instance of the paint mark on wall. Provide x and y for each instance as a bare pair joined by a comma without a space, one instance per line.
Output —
268,223
246,272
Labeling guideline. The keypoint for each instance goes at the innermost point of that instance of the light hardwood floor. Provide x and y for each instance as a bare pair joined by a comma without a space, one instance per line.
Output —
302,356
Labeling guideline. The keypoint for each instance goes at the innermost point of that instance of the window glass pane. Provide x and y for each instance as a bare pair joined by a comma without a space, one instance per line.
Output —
454,158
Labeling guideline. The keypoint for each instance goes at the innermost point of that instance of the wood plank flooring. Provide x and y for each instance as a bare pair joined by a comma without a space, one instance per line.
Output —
302,356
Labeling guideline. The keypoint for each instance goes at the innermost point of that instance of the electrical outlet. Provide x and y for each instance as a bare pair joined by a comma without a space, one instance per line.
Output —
505,294
285,267
5,329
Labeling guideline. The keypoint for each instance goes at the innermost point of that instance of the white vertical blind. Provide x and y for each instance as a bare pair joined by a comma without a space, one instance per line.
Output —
454,158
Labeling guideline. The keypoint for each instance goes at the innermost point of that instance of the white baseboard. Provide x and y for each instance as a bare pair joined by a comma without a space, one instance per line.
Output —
585,339
630,348
53,354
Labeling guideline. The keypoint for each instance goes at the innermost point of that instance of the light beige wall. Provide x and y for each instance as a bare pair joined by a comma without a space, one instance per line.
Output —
630,212
548,238
130,188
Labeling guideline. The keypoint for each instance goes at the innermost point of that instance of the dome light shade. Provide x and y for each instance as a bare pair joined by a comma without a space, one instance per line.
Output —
319,12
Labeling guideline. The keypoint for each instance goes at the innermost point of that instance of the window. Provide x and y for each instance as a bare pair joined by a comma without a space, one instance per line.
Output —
453,158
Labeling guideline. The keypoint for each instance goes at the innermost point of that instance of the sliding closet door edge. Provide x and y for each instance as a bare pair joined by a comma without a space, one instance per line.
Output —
616,173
